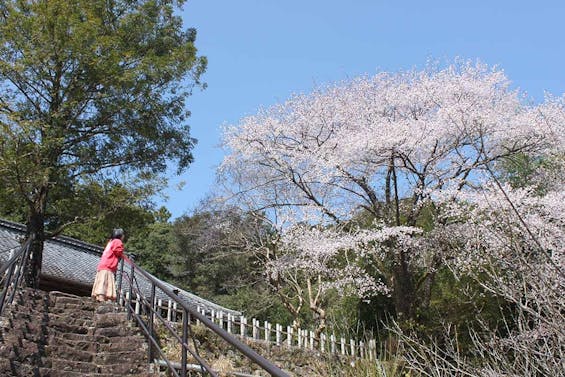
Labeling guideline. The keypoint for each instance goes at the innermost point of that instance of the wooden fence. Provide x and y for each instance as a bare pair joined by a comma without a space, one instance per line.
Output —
275,334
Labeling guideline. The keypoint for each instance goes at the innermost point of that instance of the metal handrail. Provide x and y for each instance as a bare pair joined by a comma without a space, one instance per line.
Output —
13,271
188,313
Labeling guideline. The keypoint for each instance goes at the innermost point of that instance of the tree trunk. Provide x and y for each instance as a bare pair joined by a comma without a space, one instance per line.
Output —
319,312
404,290
36,230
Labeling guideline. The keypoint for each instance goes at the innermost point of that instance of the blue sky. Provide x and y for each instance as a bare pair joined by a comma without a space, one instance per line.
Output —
260,52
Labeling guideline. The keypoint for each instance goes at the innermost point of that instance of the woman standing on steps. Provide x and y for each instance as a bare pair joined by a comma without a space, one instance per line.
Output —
104,285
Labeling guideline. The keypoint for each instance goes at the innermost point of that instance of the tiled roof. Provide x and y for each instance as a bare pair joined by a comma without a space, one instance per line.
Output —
72,260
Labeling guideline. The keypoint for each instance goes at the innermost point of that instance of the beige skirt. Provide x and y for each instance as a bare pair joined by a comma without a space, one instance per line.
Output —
104,285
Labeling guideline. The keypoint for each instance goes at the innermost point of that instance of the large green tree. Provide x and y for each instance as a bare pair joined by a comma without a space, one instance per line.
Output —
89,89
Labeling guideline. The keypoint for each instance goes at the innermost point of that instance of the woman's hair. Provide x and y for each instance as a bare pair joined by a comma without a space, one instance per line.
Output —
118,233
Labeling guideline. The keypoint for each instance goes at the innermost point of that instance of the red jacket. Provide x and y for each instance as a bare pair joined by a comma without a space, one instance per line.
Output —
112,253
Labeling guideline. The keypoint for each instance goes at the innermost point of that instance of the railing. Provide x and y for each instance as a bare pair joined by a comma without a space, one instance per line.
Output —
145,310
275,334
11,273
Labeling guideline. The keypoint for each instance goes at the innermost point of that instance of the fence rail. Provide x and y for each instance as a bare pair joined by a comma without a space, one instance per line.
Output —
264,331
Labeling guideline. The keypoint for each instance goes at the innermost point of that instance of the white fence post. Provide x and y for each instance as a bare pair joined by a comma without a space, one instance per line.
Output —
159,306
169,311
242,323
306,339
267,331
255,328
230,320
289,331
278,331
137,303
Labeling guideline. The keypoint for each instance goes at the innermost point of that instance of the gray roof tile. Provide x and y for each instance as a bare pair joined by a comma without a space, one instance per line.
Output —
70,259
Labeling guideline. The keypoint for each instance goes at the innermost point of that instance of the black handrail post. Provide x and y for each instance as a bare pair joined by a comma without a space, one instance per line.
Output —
131,277
151,330
16,260
184,340
21,269
6,286
120,278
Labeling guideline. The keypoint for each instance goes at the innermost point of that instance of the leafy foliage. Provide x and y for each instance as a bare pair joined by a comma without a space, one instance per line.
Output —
88,90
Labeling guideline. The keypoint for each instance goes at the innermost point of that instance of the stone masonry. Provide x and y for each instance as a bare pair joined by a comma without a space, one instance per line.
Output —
54,334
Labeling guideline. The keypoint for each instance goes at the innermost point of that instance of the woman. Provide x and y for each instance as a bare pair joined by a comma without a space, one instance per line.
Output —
104,285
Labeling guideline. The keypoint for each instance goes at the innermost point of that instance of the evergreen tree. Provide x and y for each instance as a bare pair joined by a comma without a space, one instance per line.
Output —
88,90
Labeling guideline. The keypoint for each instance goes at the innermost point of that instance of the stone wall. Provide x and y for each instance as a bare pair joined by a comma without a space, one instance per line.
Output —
61,335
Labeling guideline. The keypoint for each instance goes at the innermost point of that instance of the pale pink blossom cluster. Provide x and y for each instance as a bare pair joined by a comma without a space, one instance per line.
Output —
338,256
497,221
324,155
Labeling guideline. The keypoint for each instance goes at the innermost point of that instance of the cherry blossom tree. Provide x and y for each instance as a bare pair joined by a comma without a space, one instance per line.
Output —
510,241
381,145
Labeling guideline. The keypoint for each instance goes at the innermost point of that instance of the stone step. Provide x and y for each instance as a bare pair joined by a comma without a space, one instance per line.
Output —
91,368
84,344
71,353
75,312
132,342
124,357
81,319
47,372
112,319
58,295
65,301
116,331
130,356
69,328
55,333
108,307
124,369
73,319
98,338
71,365
100,343
78,306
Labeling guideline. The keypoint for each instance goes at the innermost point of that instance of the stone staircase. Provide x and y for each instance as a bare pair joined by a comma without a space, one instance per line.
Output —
54,334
